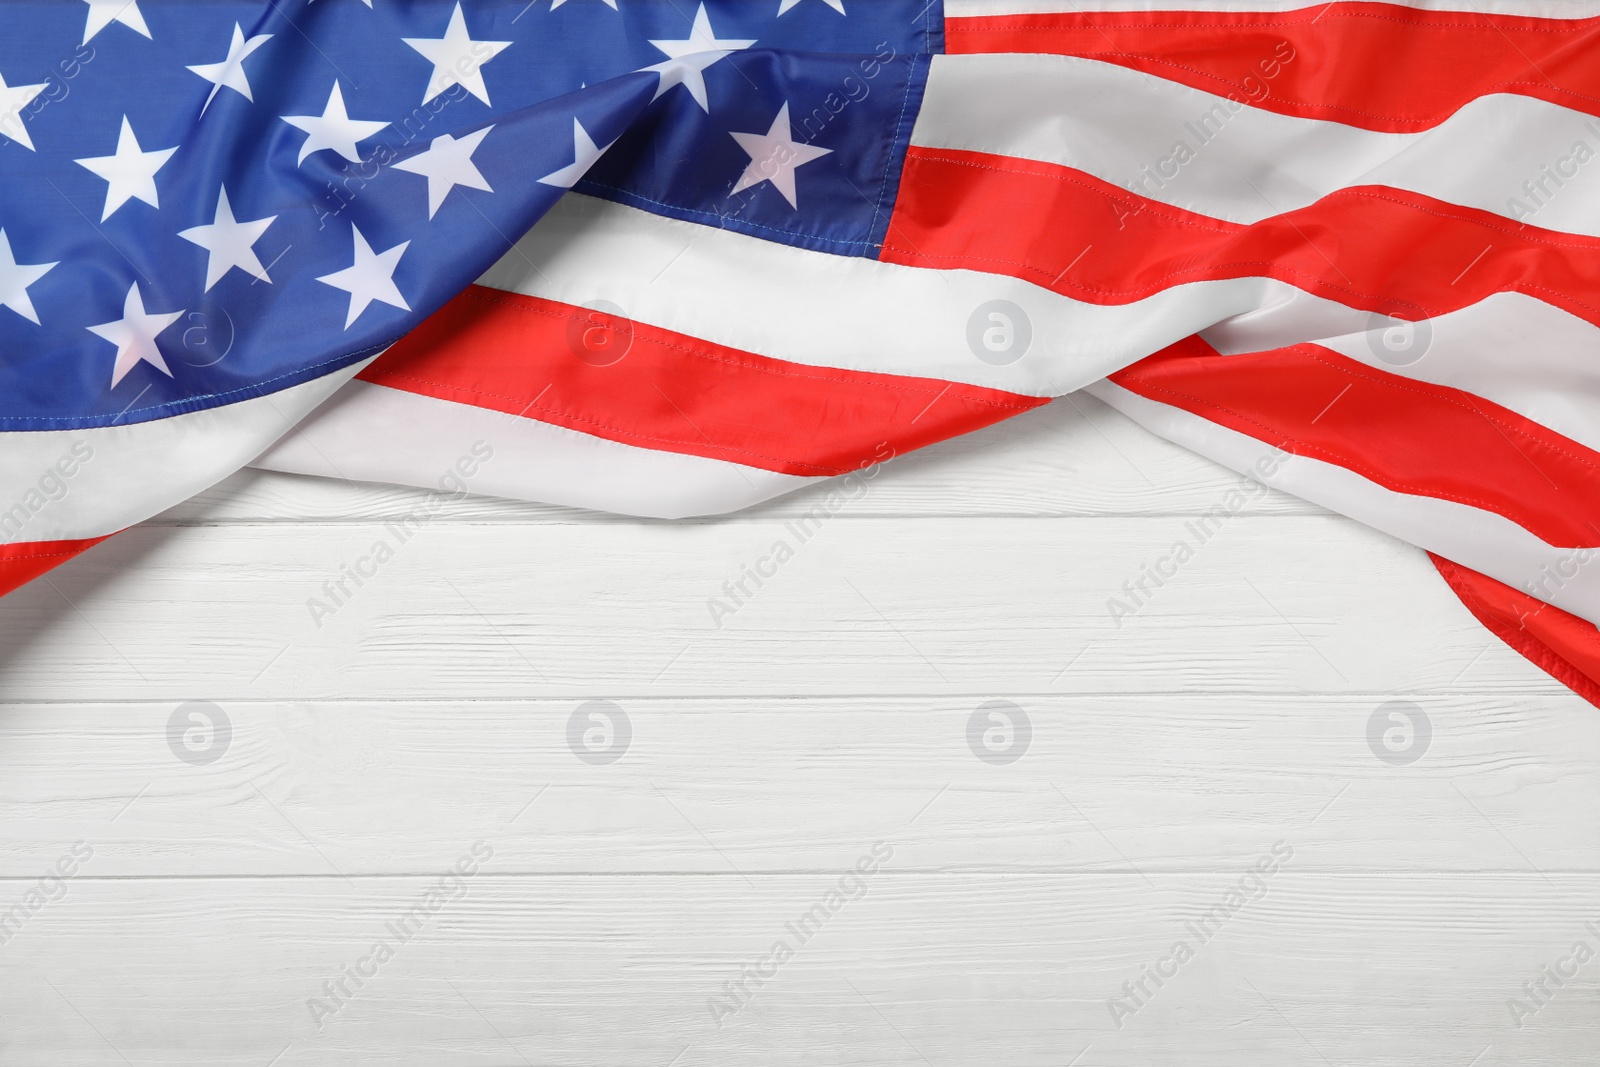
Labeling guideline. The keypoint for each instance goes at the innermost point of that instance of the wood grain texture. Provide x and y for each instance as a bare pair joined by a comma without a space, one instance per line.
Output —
868,606
1317,968
767,754
767,785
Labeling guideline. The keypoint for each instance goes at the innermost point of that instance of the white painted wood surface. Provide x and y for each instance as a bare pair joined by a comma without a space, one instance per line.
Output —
830,712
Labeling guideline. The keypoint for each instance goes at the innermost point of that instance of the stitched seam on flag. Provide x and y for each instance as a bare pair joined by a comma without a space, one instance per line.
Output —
1483,607
781,372
36,555
1488,90
1538,88
84,544
1301,447
1347,13
91,420
1518,637
962,260
1170,212
1276,269
1408,387
712,215
1369,192
1313,282
890,169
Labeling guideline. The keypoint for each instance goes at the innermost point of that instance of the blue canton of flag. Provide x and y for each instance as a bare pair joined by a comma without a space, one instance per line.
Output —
206,202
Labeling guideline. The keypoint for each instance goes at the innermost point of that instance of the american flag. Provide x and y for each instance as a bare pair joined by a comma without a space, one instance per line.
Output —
669,258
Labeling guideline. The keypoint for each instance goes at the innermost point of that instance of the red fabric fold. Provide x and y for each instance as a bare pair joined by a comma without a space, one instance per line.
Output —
24,561
1557,642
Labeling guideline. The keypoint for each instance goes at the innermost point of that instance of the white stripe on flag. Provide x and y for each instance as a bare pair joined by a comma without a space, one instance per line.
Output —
826,310
1244,164
137,470
728,288
1519,352
1481,540
530,460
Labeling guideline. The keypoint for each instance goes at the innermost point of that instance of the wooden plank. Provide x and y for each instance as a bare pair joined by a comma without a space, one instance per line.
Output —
963,605
1313,968
829,711
1072,457
1101,783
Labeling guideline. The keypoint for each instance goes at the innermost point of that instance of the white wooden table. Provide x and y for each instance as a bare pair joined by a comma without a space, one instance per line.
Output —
223,908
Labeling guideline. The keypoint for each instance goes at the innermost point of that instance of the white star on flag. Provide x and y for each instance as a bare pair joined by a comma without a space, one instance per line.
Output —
774,155
229,243
135,336
457,59
612,4
130,174
370,278
787,5
688,59
584,154
334,129
446,164
13,98
103,13
230,72
15,278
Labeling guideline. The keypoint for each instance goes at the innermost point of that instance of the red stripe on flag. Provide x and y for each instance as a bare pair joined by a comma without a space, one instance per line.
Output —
1376,66
1562,645
1406,435
24,561
1368,247
642,385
